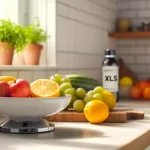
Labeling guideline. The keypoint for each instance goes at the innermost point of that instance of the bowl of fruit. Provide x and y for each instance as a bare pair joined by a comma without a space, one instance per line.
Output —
25,104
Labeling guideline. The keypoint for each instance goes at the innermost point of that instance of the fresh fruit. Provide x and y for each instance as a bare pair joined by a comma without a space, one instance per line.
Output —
91,92
109,99
143,85
99,89
44,88
56,78
146,93
7,78
64,87
96,111
88,98
98,96
135,93
70,91
73,99
4,89
126,81
64,80
20,88
80,93
78,105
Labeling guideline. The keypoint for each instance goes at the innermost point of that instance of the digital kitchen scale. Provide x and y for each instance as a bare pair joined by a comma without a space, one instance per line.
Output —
40,126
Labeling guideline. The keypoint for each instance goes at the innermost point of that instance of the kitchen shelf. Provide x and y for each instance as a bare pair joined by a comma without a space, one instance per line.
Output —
129,35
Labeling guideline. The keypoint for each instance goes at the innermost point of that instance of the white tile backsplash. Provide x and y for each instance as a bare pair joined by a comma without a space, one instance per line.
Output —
10,73
39,75
62,34
138,5
63,59
136,52
28,75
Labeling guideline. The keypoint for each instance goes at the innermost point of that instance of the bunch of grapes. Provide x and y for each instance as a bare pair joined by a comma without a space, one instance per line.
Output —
79,96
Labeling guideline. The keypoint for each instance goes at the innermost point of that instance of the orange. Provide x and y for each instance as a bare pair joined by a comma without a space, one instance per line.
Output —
146,93
143,85
44,88
96,111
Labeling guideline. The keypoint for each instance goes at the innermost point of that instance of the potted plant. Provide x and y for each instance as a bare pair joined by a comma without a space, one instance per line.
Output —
34,35
8,38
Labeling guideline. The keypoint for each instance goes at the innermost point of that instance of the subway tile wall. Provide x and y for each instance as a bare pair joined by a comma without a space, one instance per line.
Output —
135,52
82,34
82,28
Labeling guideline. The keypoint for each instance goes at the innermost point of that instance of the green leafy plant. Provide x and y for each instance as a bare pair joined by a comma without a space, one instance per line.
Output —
18,36
20,40
34,34
12,34
7,32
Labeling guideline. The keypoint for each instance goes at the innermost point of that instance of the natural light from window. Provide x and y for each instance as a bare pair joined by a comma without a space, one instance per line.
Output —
23,12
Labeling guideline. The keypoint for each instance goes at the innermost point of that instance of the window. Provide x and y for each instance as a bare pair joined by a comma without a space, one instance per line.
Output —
23,12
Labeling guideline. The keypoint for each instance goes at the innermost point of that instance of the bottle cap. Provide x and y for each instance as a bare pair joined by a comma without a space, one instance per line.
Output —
110,52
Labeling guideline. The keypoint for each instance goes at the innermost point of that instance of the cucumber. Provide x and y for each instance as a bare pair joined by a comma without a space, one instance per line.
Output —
84,81
81,78
86,86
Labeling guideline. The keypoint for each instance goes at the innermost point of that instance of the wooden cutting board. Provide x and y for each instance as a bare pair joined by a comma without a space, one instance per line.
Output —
115,116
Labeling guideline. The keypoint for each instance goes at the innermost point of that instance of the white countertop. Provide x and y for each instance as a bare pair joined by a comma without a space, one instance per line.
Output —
133,135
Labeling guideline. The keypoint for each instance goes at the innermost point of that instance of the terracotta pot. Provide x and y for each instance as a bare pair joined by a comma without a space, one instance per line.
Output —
31,54
6,53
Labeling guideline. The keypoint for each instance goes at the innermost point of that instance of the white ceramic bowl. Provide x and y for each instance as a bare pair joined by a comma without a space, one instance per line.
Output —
20,109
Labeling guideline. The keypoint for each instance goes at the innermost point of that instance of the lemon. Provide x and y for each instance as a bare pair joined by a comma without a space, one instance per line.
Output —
109,99
96,111
126,81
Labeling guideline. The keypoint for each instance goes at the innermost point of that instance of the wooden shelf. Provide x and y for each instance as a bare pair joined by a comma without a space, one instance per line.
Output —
129,35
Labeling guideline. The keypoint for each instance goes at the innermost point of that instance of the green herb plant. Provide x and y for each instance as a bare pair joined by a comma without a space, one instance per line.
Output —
7,32
12,34
18,37
34,34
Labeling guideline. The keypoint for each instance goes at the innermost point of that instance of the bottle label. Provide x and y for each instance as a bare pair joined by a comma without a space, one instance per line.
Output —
110,78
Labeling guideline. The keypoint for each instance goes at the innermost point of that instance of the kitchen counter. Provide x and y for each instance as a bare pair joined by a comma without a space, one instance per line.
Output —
133,135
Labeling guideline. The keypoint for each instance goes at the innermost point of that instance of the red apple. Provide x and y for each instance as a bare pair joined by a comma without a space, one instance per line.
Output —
4,89
135,93
21,88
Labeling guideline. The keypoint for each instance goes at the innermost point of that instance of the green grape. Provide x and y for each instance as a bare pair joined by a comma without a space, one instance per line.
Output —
56,78
64,80
98,96
70,91
91,92
88,98
71,102
78,105
80,93
99,89
64,87
62,93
